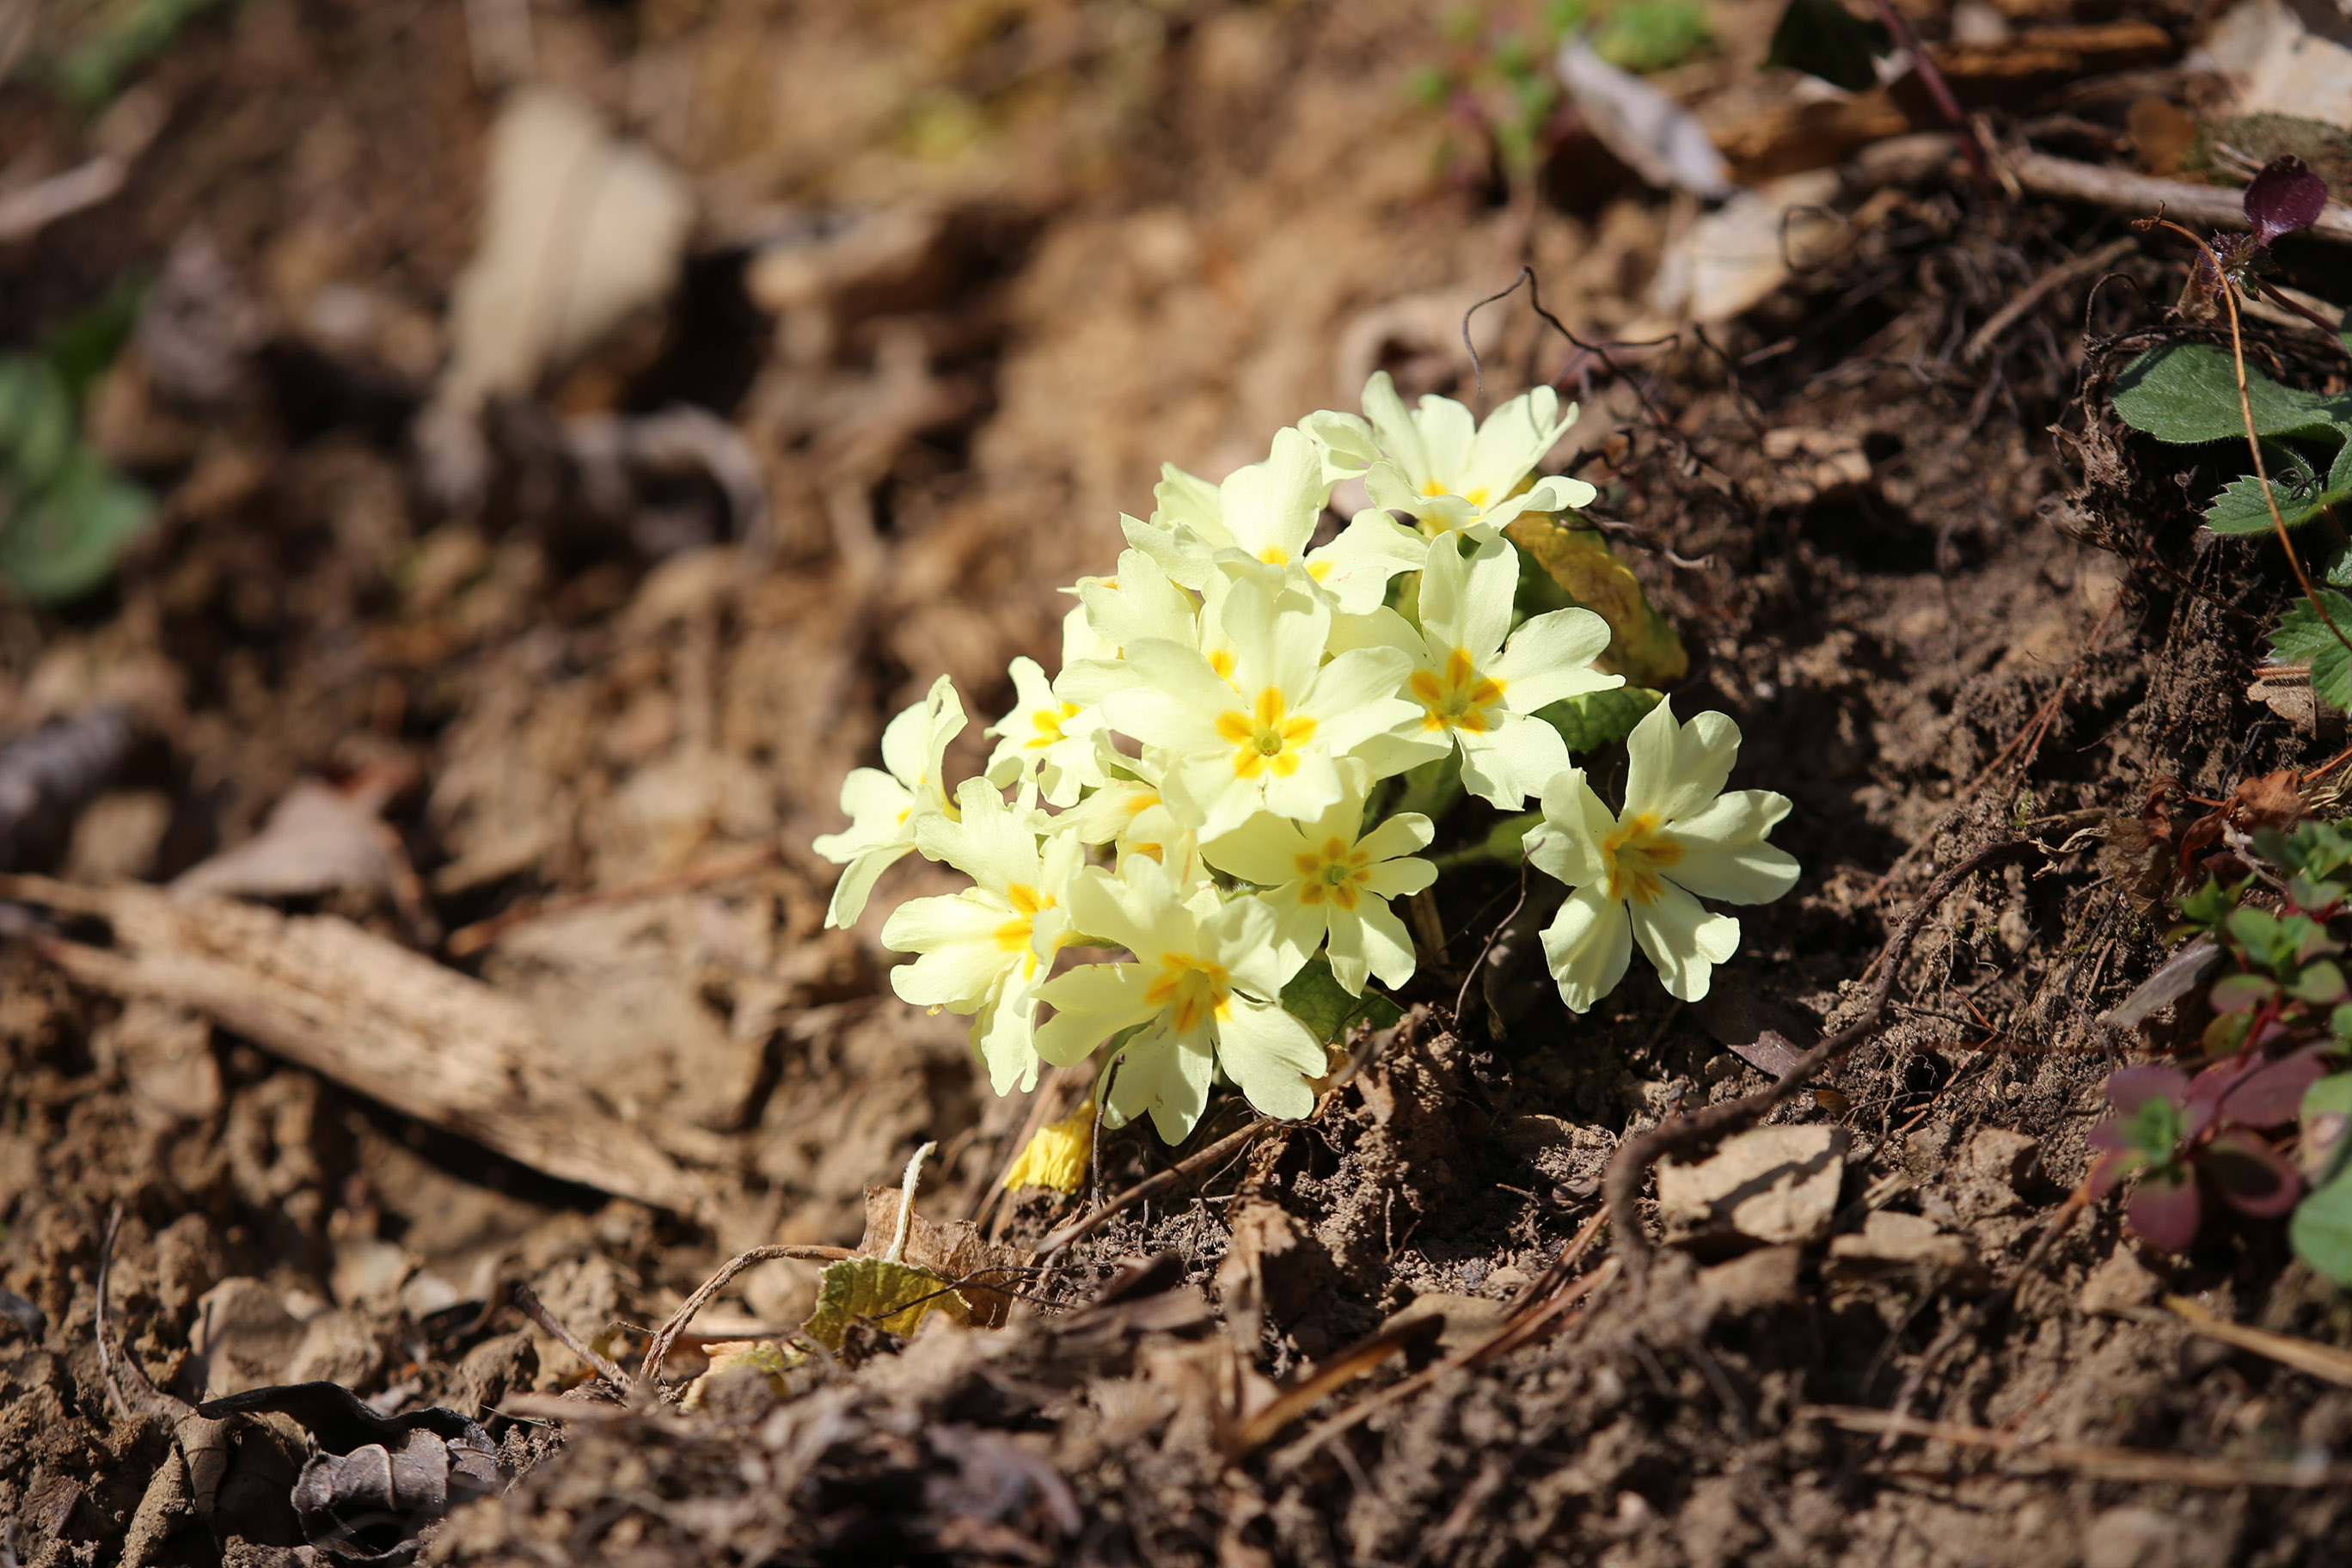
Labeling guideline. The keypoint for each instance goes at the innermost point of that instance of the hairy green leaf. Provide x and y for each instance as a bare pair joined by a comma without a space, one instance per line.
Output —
2240,509
2302,637
1599,719
2187,394
1315,998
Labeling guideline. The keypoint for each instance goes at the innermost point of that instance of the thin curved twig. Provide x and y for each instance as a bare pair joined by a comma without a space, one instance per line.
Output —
1634,1157
666,1335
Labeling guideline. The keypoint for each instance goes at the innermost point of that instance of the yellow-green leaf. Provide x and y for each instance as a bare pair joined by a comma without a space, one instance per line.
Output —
1642,646
894,1297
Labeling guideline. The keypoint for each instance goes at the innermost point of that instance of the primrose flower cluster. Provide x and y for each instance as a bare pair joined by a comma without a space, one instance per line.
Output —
1205,783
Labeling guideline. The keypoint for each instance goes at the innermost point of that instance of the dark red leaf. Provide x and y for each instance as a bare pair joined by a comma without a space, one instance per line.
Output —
2132,1087
2272,1094
2284,197
2164,1209
2251,1174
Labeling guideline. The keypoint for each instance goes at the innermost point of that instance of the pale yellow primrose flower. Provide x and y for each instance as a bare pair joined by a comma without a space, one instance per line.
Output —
1260,520
1268,737
1045,739
884,807
1634,873
987,950
1324,883
1142,601
1200,992
1452,473
1477,692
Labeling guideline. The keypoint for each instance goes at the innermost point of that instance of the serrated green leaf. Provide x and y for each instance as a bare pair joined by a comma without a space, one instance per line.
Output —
1642,646
2186,395
37,422
1600,719
1316,999
1643,36
2240,509
893,1297
2301,637
1823,38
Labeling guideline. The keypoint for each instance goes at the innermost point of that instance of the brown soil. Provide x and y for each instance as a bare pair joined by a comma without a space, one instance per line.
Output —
1944,598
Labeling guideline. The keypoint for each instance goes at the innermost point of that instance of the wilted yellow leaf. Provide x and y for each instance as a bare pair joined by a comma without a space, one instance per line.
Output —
1642,646
893,1297
1057,1157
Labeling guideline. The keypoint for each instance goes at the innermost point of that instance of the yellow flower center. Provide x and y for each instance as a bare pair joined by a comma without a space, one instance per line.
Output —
1014,935
1191,990
1436,487
1049,723
1635,853
1222,661
1266,740
1459,698
1274,556
1338,871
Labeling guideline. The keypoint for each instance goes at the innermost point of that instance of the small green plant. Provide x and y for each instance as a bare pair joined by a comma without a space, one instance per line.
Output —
2270,1059
66,513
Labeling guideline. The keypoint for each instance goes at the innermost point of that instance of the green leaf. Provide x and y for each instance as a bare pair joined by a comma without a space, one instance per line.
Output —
1823,38
1651,35
2301,496
1642,646
37,421
60,542
1315,998
1599,719
2325,1119
2187,394
2301,637
2322,1229
893,1297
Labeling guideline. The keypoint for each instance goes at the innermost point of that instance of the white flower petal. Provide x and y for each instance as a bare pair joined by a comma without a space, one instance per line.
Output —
1684,941
1676,769
1588,946
1166,1075
856,884
1264,850
1550,657
1723,855
1567,842
1091,1003
1514,760
1371,941
1271,1057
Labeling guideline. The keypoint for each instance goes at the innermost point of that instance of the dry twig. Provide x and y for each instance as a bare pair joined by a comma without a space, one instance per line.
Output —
667,1336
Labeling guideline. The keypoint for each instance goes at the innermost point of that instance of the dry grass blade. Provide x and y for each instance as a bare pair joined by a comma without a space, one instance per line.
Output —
2324,1362
1333,1374
2096,1460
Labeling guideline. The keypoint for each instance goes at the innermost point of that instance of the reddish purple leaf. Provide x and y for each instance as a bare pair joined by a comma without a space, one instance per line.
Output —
2284,197
2113,1166
2132,1087
2251,1174
2271,1094
2164,1209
